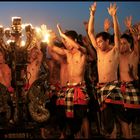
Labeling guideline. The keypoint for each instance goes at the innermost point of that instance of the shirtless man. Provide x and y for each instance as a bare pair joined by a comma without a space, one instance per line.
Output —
58,85
128,68
75,57
107,63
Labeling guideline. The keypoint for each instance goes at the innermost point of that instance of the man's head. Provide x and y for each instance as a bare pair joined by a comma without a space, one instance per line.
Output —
103,40
126,43
73,35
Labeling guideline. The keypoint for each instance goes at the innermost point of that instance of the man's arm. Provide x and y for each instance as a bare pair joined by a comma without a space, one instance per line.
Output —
56,49
112,10
55,55
91,25
70,41
128,24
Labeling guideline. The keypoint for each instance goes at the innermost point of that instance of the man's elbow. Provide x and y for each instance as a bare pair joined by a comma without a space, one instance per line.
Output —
90,33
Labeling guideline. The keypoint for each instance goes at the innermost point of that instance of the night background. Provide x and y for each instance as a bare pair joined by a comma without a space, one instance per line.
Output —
70,15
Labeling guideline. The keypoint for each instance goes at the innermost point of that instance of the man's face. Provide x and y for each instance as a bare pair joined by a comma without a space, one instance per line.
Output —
67,44
124,45
102,44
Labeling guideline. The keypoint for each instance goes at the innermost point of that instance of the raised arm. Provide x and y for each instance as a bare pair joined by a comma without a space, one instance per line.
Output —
112,10
107,25
55,55
128,24
72,42
91,25
58,50
88,44
68,39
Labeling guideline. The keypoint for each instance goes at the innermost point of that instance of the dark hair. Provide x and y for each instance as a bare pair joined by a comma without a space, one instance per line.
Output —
129,38
73,34
112,39
59,44
80,40
104,35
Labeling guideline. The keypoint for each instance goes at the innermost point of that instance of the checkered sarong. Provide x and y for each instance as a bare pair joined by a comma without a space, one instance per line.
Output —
131,94
54,88
61,96
109,93
75,95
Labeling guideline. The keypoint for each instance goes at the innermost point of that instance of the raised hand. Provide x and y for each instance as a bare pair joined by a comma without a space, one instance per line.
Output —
107,24
128,22
112,9
93,7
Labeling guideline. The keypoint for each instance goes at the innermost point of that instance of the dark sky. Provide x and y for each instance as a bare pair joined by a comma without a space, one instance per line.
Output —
70,15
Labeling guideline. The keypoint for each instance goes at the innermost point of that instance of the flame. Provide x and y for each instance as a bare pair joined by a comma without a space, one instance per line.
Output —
22,43
46,38
38,30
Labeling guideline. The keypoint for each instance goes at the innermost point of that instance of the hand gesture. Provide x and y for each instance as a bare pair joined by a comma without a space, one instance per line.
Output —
112,9
93,8
128,22
107,24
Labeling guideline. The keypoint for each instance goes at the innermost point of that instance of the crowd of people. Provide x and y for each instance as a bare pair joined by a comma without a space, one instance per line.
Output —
92,77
